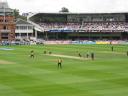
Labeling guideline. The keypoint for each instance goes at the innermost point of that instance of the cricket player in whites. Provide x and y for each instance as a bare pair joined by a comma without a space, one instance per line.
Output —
59,61
32,55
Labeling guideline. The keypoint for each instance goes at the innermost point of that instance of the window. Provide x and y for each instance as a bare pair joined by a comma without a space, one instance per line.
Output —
4,27
1,20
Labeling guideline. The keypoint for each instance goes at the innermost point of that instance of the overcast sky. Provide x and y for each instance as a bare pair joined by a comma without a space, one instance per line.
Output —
79,6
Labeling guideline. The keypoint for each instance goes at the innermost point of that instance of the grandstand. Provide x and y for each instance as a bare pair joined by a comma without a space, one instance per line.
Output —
80,26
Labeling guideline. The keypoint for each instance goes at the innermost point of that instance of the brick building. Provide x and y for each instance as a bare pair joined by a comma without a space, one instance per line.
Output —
7,23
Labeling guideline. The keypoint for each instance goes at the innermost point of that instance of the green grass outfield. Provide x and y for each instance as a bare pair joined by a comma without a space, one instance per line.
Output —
21,75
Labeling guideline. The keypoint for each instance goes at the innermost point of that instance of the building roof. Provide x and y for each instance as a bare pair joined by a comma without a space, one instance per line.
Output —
21,21
4,7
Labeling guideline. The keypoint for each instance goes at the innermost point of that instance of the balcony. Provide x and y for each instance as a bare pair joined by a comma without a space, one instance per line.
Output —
5,31
7,23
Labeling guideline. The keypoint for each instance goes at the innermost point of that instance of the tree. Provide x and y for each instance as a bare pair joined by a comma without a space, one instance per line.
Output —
64,9
17,15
